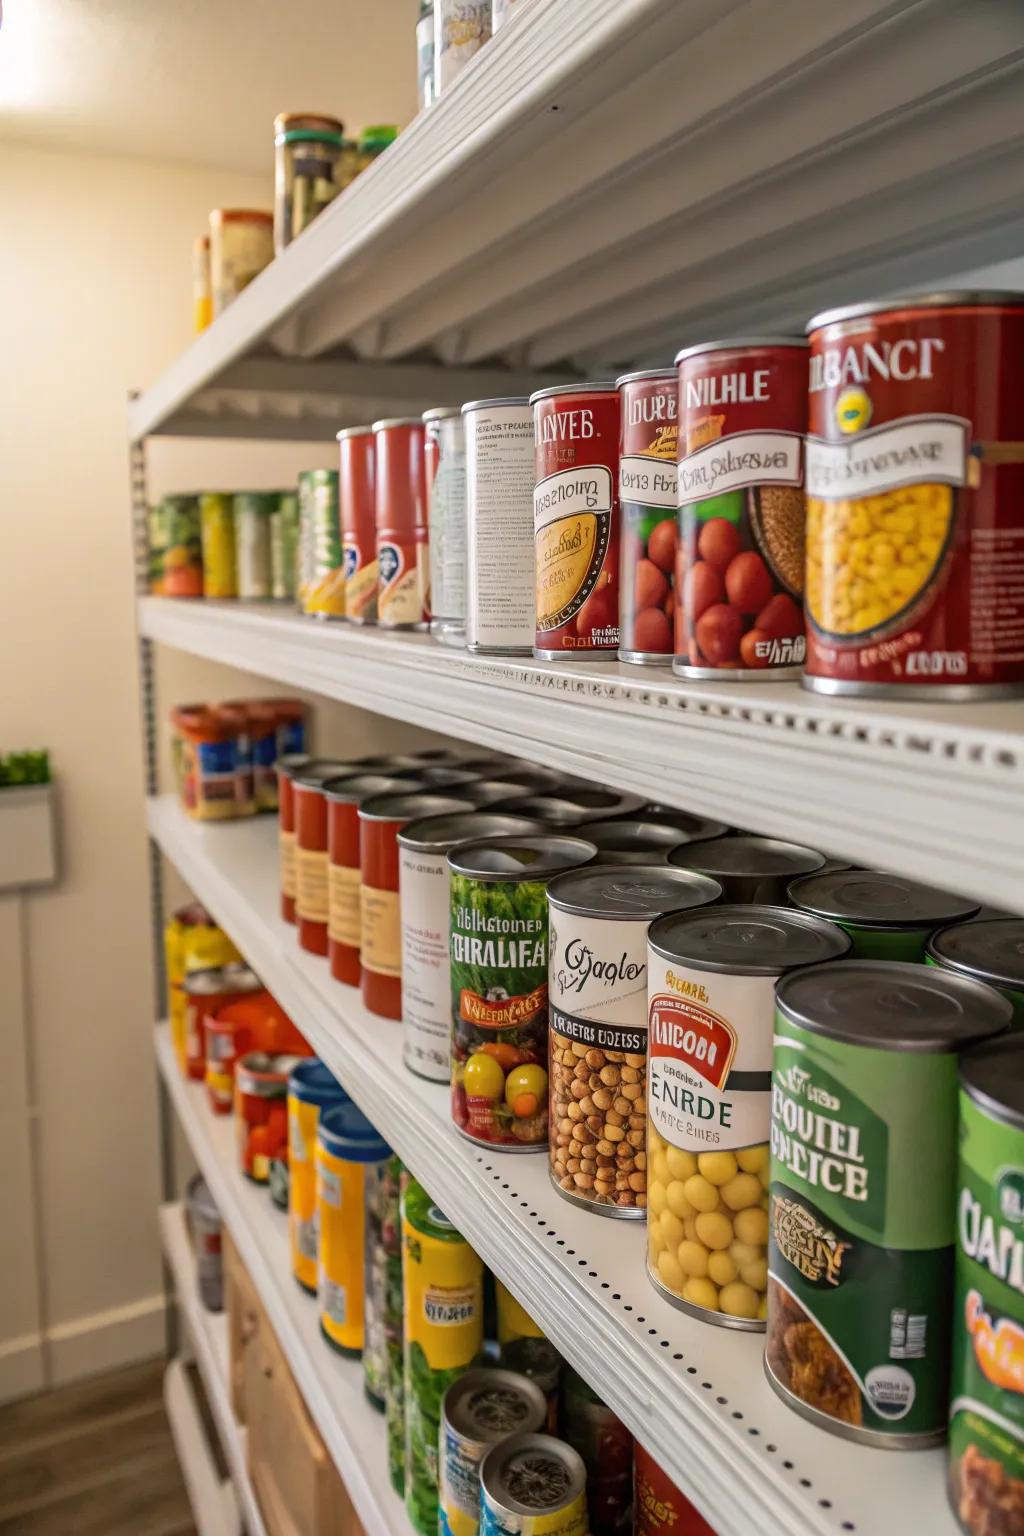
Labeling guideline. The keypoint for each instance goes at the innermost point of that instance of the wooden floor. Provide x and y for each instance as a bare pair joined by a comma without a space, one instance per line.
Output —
92,1459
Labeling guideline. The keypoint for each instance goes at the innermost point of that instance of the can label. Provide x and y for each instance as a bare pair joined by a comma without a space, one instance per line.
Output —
659,1509
647,496
325,575
567,1520
426,982
459,1491
461,27
402,597
986,1416
344,916
286,845
380,931
303,1223
311,885
499,507
860,1247
252,540
361,576
217,530
341,1216
445,459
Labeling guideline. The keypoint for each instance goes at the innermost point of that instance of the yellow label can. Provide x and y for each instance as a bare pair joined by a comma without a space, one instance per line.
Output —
346,1145
312,1091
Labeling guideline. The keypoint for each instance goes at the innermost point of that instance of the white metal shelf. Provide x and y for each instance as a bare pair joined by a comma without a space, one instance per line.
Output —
935,791
332,1386
694,1394
609,180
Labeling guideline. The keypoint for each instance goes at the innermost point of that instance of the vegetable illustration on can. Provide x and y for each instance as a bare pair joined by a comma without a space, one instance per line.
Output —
650,521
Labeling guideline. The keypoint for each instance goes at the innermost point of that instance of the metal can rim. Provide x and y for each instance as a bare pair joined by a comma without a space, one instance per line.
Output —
950,298
596,387
364,431
396,421
668,372
441,413
737,343
482,405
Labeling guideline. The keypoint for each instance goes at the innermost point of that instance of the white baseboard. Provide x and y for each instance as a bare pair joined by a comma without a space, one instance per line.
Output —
22,1367
103,1341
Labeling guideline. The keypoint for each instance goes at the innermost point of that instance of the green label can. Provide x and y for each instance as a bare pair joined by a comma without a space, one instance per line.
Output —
322,589
886,916
990,949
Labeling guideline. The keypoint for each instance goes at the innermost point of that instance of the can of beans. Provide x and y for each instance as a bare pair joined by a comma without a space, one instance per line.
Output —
750,869
403,591
986,1421
444,461
206,991
499,985
887,917
915,498
479,1409
989,949
742,419
287,767
633,841
357,502
711,993
323,592
307,787
576,521
499,516
344,796
650,519
425,902
532,1484
863,1193
597,1047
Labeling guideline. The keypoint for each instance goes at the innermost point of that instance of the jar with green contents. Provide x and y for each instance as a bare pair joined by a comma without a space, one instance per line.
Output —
217,531
886,916
284,543
990,949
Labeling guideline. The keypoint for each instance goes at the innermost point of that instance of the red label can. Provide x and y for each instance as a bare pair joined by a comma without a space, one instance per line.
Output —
286,768
357,495
915,498
742,421
659,1509
403,579
310,849
576,520
648,450
343,796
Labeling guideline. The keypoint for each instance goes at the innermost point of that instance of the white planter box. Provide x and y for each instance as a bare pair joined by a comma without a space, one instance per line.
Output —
28,843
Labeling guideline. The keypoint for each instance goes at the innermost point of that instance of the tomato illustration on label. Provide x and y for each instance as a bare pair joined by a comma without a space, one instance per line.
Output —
688,1033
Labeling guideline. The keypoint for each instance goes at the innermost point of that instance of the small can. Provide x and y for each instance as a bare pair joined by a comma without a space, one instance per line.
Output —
597,991
347,1149
989,949
479,1410
986,1416
461,27
444,465
358,510
532,1484
403,591
323,592
286,767
605,1446
206,1230
649,403
312,1090
750,869
576,521
659,1508
711,986
206,991
863,1204
425,55
202,288
284,546
261,1111
499,985
192,942
423,848
382,1306
252,511
499,517
178,572
217,527
228,1034
886,916
241,245
742,419
915,498
308,788
633,841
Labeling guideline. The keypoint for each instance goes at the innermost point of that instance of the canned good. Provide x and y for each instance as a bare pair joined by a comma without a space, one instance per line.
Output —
403,595
217,532
863,1193
241,245
382,1306
277,729
576,521
532,1484
322,589
522,1347
192,942
915,498
227,1035
312,1090
176,558
990,950
659,1509
486,793
649,406
286,768
499,982
887,917
423,848
597,1047
499,516
284,545
205,1229
605,1447
425,55
308,787
749,869
479,1410
308,171
444,462
261,1111
711,987
388,1285
206,991
252,511
501,11
443,1329
742,419
691,829
348,1147
574,806
986,1416
632,841
344,796
235,718
358,505
461,27
202,291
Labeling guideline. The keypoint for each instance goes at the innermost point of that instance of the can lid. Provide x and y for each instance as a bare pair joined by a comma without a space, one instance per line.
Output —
353,789
345,1132
388,762
363,431
993,1076
691,829
487,1405
747,856
396,421
215,979
414,804
733,343
627,834
534,857
595,387
436,834
441,776
950,299
264,1069
293,762
491,792
640,892
990,949
318,770
548,809
877,900
532,1475
611,803
665,373
441,413
893,1005
313,1083
747,940
483,405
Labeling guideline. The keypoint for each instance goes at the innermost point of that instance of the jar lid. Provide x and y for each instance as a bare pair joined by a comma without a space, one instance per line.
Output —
639,892
747,856
990,949
893,1005
345,1132
993,1076
747,940
877,900
314,120
533,857
313,1083
310,136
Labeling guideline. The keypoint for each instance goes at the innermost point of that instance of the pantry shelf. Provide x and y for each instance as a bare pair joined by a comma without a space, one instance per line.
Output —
695,1395
935,792
712,170
332,1387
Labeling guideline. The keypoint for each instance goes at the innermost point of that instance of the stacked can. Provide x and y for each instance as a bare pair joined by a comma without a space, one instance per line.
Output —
358,512
444,457
499,516
403,598
647,496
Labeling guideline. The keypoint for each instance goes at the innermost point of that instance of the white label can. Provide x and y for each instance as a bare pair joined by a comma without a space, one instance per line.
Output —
445,461
499,518
461,27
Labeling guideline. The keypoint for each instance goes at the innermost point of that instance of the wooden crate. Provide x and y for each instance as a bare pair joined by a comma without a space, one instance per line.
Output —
244,1320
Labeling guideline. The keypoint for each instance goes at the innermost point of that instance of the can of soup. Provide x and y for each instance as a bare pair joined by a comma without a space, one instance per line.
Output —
347,1148
287,767
480,1409
499,985
754,869
742,419
598,919
915,498
312,1090
206,991
308,788
532,1484
499,513
284,545
862,1215
989,949
887,917
649,404
358,511
444,460
576,521
403,591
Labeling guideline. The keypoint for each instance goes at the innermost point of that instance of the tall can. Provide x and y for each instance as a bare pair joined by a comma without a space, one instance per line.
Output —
312,1089
499,515
357,498
252,510
444,458
461,27
309,850
286,768
742,419
217,531
650,521
348,1151
284,546
403,591
576,521
425,55
323,595
597,1050
915,498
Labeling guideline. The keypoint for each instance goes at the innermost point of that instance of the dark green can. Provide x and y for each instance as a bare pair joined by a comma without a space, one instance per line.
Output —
886,916
990,949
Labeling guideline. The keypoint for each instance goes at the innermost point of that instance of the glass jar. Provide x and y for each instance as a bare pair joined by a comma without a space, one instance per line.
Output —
308,154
